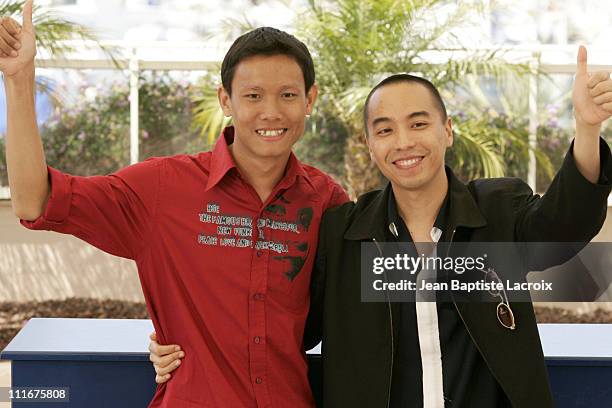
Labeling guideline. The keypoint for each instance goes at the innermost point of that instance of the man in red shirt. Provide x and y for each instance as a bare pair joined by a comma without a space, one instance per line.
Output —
224,240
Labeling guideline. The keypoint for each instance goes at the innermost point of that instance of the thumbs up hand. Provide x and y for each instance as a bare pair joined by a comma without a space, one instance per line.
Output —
18,45
592,94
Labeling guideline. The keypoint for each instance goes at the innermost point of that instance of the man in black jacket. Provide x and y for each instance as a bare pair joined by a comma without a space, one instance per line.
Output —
446,353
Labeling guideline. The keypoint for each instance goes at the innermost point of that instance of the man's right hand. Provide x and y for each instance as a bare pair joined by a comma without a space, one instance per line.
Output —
17,44
165,359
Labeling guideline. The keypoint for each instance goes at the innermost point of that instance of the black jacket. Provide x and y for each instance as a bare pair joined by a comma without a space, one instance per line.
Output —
359,338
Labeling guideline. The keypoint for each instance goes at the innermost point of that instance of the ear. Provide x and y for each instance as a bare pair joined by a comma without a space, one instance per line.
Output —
311,97
449,132
224,101
367,142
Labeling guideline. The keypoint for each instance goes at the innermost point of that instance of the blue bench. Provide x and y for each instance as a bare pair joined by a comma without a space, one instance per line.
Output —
105,362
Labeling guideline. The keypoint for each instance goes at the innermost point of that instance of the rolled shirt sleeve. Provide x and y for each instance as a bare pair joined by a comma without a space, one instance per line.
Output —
114,213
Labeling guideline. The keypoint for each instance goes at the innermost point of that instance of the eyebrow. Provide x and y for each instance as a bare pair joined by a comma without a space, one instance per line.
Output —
409,116
419,113
250,88
259,88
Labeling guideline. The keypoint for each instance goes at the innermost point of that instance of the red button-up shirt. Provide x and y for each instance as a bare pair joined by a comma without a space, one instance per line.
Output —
223,274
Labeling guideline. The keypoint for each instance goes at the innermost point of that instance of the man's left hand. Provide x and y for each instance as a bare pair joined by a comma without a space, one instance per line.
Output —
592,94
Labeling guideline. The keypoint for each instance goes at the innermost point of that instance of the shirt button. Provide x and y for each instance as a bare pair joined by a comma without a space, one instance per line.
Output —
257,339
259,296
258,380
258,253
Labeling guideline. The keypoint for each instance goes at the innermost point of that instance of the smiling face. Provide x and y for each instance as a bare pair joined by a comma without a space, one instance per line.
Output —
268,105
407,135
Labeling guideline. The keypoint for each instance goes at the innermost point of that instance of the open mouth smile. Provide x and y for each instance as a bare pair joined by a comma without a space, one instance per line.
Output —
408,163
271,134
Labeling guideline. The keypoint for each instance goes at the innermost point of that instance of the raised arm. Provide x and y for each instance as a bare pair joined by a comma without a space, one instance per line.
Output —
25,157
592,99
575,205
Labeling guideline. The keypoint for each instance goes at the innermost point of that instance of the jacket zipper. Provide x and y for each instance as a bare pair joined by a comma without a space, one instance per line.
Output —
391,327
458,312
451,241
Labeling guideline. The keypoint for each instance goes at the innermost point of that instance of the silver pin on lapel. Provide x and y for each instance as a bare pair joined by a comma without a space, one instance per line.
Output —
393,230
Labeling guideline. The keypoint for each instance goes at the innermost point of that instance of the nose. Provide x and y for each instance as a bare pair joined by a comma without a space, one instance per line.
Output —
405,139
270,110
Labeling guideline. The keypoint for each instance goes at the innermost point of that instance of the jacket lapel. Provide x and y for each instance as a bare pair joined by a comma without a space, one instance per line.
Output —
371,218
464,211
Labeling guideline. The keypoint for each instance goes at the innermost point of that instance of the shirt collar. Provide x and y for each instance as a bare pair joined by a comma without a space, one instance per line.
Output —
398,227
294,170
222,162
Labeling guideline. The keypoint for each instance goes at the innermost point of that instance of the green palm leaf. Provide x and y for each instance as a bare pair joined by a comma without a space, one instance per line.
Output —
475,151
208,117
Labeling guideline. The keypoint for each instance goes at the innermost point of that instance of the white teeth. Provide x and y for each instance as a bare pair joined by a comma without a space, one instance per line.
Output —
408,162
271,133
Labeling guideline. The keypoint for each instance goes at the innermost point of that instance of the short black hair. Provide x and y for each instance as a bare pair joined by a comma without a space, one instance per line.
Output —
409,79
266,41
